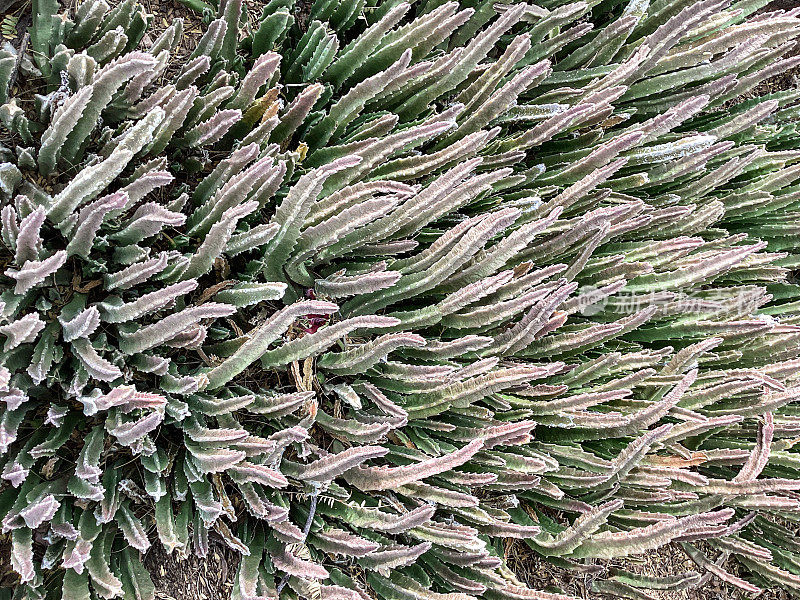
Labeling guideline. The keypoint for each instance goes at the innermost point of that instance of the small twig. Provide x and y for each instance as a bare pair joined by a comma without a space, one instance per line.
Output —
312,509
208,293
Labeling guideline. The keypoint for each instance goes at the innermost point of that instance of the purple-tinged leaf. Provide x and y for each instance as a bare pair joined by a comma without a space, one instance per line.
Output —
259,340
338,541
130,432
22,554
81,325
391,557
29,240
24,330
90,218
40,511
97,366
210,131
136,273
170,326
34,272
760,456
331,466
389,478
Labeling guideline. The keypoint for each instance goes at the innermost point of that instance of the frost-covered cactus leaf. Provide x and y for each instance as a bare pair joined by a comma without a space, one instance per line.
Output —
96,365
22,554
319,340
21,331
94,179
115,311
326,468
103,580
8,62
89,220
391,478
127,433
359,359
216,240
257,343
34,272
246,294
28,238
136,582
294,209
81,325
176,323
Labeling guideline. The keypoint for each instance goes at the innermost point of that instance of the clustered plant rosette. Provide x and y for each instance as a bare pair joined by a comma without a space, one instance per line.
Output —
328,292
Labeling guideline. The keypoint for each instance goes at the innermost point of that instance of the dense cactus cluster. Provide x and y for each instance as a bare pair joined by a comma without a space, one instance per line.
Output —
365,292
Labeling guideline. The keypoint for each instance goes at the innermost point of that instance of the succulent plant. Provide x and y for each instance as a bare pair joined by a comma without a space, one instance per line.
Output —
366,292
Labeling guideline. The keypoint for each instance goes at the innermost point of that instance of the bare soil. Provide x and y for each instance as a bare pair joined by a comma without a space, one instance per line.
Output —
192,578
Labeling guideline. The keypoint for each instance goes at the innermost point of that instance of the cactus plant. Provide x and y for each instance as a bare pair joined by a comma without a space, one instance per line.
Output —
365,293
